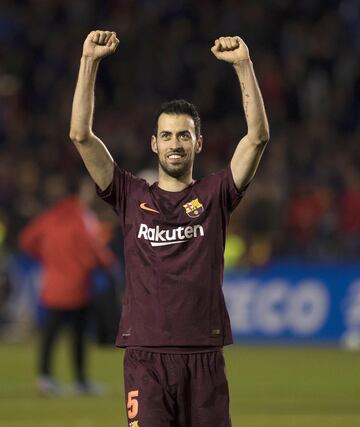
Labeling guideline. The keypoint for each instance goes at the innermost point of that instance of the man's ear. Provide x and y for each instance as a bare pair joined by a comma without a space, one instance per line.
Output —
154,144
199,144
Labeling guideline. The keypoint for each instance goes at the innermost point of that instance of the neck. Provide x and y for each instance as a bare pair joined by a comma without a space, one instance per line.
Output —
169,183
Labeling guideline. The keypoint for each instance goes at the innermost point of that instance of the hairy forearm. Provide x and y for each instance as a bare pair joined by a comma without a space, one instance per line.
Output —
83,103
257,123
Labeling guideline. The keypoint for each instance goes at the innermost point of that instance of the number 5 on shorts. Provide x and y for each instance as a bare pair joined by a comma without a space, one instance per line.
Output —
132,404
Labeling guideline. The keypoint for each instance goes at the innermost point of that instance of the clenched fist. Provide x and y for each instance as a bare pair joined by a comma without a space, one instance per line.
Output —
230,49
99,44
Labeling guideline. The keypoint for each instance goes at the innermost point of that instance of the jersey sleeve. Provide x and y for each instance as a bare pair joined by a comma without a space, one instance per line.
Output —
230,195
118,191
31,238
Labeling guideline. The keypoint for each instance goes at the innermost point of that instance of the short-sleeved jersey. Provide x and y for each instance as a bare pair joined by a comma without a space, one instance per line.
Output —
173,245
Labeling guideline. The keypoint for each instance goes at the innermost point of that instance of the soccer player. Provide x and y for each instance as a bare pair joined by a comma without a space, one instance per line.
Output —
66,239
174,321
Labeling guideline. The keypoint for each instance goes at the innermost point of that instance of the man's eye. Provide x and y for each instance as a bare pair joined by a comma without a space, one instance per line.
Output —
185,136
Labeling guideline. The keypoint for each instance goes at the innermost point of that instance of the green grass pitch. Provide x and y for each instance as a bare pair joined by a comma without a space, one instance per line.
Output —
270,387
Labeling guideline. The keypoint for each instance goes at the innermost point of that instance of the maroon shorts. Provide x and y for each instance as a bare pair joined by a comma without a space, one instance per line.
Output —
176,390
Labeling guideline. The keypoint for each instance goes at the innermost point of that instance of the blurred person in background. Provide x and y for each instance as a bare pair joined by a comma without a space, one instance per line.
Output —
174,321
66,239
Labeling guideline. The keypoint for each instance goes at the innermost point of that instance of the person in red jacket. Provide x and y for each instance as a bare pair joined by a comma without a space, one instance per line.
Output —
66,239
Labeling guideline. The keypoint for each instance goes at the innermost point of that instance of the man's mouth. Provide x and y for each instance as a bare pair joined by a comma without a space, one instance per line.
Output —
175,157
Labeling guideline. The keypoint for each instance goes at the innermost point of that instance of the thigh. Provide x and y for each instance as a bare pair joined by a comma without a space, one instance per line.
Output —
78,319
53,321
207,394
148,401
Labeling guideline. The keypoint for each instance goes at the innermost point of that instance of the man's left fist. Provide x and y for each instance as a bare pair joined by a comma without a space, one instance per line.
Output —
230,49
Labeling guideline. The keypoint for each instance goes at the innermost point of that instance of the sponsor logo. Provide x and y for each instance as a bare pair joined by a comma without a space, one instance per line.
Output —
194,208
146,208
163,237
134,424
351,307
276,307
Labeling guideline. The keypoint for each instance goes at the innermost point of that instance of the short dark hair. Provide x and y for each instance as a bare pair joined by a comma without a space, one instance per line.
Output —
177,107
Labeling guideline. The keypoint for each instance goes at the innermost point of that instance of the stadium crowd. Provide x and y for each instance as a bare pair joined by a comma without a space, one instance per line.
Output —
305,200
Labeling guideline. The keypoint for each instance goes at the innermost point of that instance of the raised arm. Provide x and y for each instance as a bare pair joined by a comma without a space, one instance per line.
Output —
248,152
95,155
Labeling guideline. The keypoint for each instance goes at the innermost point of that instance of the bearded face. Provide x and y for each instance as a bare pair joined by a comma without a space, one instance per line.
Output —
176,144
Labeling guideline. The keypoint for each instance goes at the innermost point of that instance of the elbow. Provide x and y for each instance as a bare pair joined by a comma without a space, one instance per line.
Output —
260,138
78,137
264,138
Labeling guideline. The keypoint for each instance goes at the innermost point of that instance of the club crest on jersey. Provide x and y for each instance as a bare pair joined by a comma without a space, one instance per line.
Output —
194,208
134,424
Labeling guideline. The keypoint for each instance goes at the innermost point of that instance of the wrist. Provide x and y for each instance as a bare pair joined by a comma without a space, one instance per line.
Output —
90,59
242,62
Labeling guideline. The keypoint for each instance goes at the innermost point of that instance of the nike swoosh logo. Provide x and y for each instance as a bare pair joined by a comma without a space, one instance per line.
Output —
146,208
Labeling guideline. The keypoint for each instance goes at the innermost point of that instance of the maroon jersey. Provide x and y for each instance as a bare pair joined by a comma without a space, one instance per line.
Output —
174,245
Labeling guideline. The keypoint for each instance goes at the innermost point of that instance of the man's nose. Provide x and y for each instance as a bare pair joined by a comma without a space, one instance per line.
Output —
175,143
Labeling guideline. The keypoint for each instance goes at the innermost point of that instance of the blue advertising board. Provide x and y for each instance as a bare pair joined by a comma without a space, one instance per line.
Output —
294,302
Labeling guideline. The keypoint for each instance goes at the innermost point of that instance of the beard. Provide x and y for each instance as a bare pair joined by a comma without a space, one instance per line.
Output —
176,170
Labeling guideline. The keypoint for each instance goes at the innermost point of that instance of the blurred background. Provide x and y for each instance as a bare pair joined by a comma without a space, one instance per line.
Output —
292,258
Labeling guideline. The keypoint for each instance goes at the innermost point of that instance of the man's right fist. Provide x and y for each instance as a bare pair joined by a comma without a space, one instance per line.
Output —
99,44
